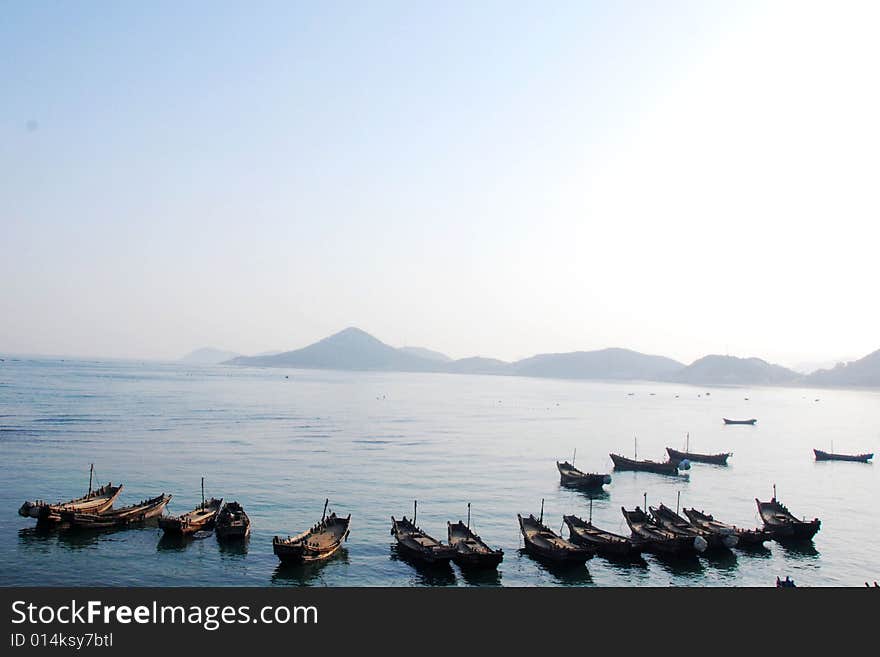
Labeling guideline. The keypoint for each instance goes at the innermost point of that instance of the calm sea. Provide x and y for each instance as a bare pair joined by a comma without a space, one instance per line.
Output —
280,441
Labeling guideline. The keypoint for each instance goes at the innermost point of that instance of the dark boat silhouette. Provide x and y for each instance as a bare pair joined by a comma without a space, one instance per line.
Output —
412,542
585,533
782,524
543,543
657,467
658,539
715,459
830,456
726,421
571,476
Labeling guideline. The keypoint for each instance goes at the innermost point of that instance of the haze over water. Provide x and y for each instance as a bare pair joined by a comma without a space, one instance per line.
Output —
372,442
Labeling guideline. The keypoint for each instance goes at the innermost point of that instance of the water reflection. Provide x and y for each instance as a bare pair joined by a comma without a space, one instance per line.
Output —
36,535
721,559
679,564
564,574
306,574
481,576
799,549
234,548
428,574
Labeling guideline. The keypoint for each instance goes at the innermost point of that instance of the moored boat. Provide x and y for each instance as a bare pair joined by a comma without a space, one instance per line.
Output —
585,533
671,521
657,467
830,456
694,457
726,421
752,538
470,550
782,524
320,542
571,476
659,539
232,522
541,542
717,533
94,501
414,543
201,518
117,518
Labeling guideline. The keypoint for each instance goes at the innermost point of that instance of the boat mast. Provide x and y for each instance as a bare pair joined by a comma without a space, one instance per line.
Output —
324,513
91,472
635,447
415,510
591,509
687,446
774,492
541,519
645,495
576,451
678,503
203,492
469,516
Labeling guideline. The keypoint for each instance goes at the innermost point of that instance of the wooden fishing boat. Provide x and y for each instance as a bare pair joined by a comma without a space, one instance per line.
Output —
719,534
412,542
659,539
586,534
726,421
203,517
830,456
665,468
752,538
671,521
541,542
782,524
232,522
94,501
117,518
316,544
571,476
470,550
694,457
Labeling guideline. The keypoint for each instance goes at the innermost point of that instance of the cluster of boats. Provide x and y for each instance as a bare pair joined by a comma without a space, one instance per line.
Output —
661,531
95,510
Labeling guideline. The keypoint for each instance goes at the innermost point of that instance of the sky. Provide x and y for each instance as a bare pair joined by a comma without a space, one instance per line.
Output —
481,178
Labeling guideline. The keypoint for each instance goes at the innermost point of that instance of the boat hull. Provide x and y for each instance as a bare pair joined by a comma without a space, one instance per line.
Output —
623,463
120,518
714,459
544,545
751,422
783,525
318,544
603,543
574,478
830,456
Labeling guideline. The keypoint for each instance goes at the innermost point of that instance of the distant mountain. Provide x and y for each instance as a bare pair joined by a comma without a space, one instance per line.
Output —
428,354
207,356
479,365
862,372
351,349
734,371
602,364
354,349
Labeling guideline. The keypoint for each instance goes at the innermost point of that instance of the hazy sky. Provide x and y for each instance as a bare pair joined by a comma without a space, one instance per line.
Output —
493,178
